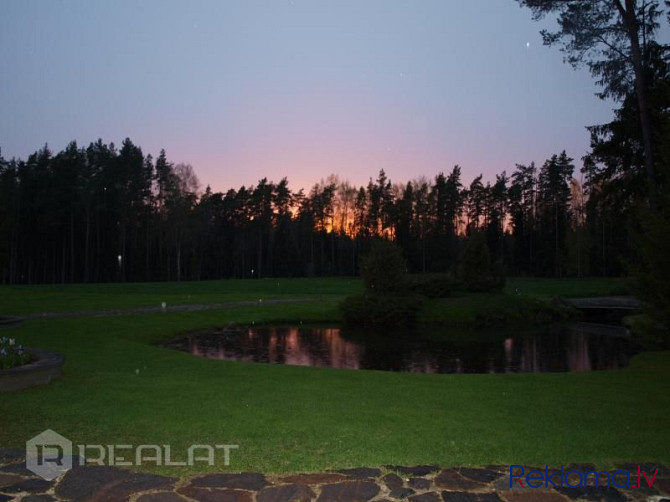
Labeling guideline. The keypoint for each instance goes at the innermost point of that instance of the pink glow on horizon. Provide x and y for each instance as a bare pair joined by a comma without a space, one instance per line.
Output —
306,166
324,133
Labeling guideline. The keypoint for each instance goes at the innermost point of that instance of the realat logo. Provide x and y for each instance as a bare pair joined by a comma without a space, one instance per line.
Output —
576,479
49,454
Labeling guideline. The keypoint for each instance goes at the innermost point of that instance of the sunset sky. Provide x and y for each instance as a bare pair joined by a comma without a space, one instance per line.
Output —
300,88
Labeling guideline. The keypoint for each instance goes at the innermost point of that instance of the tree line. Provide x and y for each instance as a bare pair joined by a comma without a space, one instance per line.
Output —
103,213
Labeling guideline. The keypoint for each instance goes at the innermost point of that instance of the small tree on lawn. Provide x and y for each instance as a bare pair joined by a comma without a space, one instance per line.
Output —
477,263
383,268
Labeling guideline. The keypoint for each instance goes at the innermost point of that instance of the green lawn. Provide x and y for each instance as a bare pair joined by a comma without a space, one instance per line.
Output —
118,388
469,310
56,298
60,298
568,288
520,303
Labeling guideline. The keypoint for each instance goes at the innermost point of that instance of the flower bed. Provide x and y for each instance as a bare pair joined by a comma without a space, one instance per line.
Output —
42,367
12,354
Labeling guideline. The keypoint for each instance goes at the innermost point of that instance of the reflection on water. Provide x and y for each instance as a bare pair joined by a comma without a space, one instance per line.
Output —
298,347
580,347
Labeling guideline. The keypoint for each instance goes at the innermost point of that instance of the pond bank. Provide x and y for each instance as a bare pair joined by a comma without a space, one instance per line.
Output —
421,349
481,310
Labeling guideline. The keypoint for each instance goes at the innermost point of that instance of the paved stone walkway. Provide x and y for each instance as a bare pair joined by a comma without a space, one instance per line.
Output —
423,483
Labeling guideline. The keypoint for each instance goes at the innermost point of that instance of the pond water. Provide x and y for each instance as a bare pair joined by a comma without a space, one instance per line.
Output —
577,347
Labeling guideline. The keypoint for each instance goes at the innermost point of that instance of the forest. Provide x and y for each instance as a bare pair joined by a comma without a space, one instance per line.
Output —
99,214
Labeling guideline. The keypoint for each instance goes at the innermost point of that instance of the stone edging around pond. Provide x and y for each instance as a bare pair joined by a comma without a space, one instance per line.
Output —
40,372
7,321
423,483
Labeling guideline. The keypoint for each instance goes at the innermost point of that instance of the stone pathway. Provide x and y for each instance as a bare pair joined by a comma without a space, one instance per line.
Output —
423,483
168,308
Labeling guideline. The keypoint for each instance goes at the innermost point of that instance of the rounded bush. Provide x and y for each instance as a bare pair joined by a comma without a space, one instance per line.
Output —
383,269
381,310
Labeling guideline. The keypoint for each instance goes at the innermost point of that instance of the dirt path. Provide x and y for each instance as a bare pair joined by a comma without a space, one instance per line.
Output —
167,308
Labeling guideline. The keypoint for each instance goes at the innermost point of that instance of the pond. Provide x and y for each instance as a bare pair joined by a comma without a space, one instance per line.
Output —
576,347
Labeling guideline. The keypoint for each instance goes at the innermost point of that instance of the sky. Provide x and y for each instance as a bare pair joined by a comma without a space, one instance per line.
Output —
248,89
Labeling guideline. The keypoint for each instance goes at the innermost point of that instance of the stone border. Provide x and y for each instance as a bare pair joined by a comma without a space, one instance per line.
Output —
7,321
421,483
40,372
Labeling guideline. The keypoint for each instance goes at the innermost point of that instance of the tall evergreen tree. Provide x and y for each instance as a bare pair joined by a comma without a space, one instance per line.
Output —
614,38
553,207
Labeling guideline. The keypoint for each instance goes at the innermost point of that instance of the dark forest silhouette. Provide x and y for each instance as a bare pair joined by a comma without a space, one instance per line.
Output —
101,214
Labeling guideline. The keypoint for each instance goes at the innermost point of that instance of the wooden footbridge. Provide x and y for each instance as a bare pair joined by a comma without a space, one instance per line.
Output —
604,302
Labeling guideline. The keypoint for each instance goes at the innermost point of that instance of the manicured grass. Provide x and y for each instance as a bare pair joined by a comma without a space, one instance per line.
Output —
471,309
69,297
519,304
567,288
287,419
119,388
509,308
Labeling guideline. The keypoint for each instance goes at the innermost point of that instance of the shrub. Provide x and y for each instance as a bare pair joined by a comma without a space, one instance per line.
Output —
479,274
386,301
647,331
383,269
441,286
652,273
381,310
